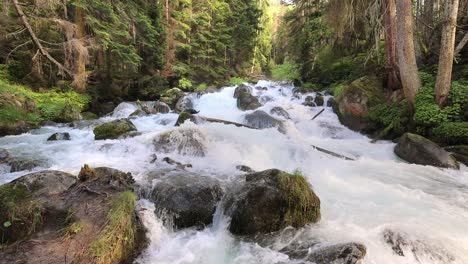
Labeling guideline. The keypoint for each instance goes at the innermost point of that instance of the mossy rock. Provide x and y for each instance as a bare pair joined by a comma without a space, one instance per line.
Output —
270,201
114,129
184,116
460,153
67,114
89,116
420,150
355,100
246,101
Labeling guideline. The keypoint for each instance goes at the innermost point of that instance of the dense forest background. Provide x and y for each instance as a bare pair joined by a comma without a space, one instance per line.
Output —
111,51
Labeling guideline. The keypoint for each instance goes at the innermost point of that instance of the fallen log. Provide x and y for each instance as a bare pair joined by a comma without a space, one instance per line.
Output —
331,153
214,120
319,113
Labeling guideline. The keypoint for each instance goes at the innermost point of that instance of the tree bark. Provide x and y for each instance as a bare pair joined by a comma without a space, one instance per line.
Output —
461,45
36,41
406,54
447,46
391,66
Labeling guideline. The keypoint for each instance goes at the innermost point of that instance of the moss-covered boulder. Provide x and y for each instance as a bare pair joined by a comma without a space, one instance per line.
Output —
184,116
355,100
262,120
23,203
460,153
59,136
90,220
186,200
247,101
114,129
324,253
420,150
270,201
242,88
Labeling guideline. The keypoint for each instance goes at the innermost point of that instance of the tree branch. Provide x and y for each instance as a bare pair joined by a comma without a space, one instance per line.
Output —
460,46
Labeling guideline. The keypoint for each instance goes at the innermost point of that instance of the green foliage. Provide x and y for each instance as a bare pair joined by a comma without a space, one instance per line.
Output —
236,81
287,71
391,117
201,87
452,132
117,239
185,84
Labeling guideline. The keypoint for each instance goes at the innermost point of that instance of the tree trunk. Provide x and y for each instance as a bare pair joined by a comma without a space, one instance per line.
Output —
406,54
444,74
461,45
392,71
36,41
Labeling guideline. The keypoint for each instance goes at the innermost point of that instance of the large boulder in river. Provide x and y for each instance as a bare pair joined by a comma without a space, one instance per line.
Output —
184,103
247,101
261,120
279,111
420,150
59,136
187,200
91,220
270,201
184,140
345,253
242,88
355,100
114,129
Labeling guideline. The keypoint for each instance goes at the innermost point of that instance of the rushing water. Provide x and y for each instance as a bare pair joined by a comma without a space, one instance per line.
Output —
361,199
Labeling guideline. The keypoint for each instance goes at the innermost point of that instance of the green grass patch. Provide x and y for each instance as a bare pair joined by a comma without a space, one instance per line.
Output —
117,239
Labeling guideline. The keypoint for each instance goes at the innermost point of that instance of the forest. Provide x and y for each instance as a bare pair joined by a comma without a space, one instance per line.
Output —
234,131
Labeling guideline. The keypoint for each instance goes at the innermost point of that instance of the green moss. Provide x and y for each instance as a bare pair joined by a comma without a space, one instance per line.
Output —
201,87
303,204
116,241
393,118
185,84
20,215
113,130
236,81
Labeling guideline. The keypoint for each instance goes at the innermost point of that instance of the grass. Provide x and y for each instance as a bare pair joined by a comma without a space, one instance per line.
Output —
304,205
117,239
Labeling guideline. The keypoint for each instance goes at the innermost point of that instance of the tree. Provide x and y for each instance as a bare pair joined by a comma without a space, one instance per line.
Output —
406,55
444,73
390,31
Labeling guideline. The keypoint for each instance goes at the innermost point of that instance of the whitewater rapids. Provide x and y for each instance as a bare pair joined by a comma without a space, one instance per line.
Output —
360,199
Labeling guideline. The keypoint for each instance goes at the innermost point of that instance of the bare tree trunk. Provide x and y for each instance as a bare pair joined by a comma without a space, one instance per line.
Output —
393,75
461,45
444,74
406,54
36,41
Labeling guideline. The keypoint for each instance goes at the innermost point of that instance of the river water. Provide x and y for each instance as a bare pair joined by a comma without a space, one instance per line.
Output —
361,200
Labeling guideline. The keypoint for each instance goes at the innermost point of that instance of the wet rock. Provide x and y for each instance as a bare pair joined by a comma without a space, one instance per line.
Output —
269,201
89,116
131,134
114,129
4,155
56,208
261,120
171,96
460,153
346,253
22,165
59,136
261,88
279,111
420,150
67,114
244,168
153,158
242,88
158,108
184,116
187,200
319,100
107,107
138,113
331,103
15,128
309,101
402,245
265,99
246,101
82,124
184,103
179,165
354,102
184,141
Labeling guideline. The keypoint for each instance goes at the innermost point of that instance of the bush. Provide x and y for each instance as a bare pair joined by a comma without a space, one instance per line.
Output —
201,87
236,81
287,71
185,84
452,132
392,117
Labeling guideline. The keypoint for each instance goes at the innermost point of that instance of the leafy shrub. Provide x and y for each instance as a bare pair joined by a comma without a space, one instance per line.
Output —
185,84
236,81
201,87
287,71
392,117
452,132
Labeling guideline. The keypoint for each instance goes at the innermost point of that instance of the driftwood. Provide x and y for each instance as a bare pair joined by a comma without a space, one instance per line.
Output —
36,40
319,113
214,120
331,153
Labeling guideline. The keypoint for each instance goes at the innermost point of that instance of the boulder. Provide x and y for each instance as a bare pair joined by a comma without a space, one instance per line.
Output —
184,103
279,111
186,200
261,120
59,136
184,116
178,165
171,96
184,141
246,101
4,155
331,103
159,108
67,114
242,88
319,100
138,113
22,165
15,128
420,150
354,102
345,253
89,116
73,220
269,201
460,153
114,129
244,168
